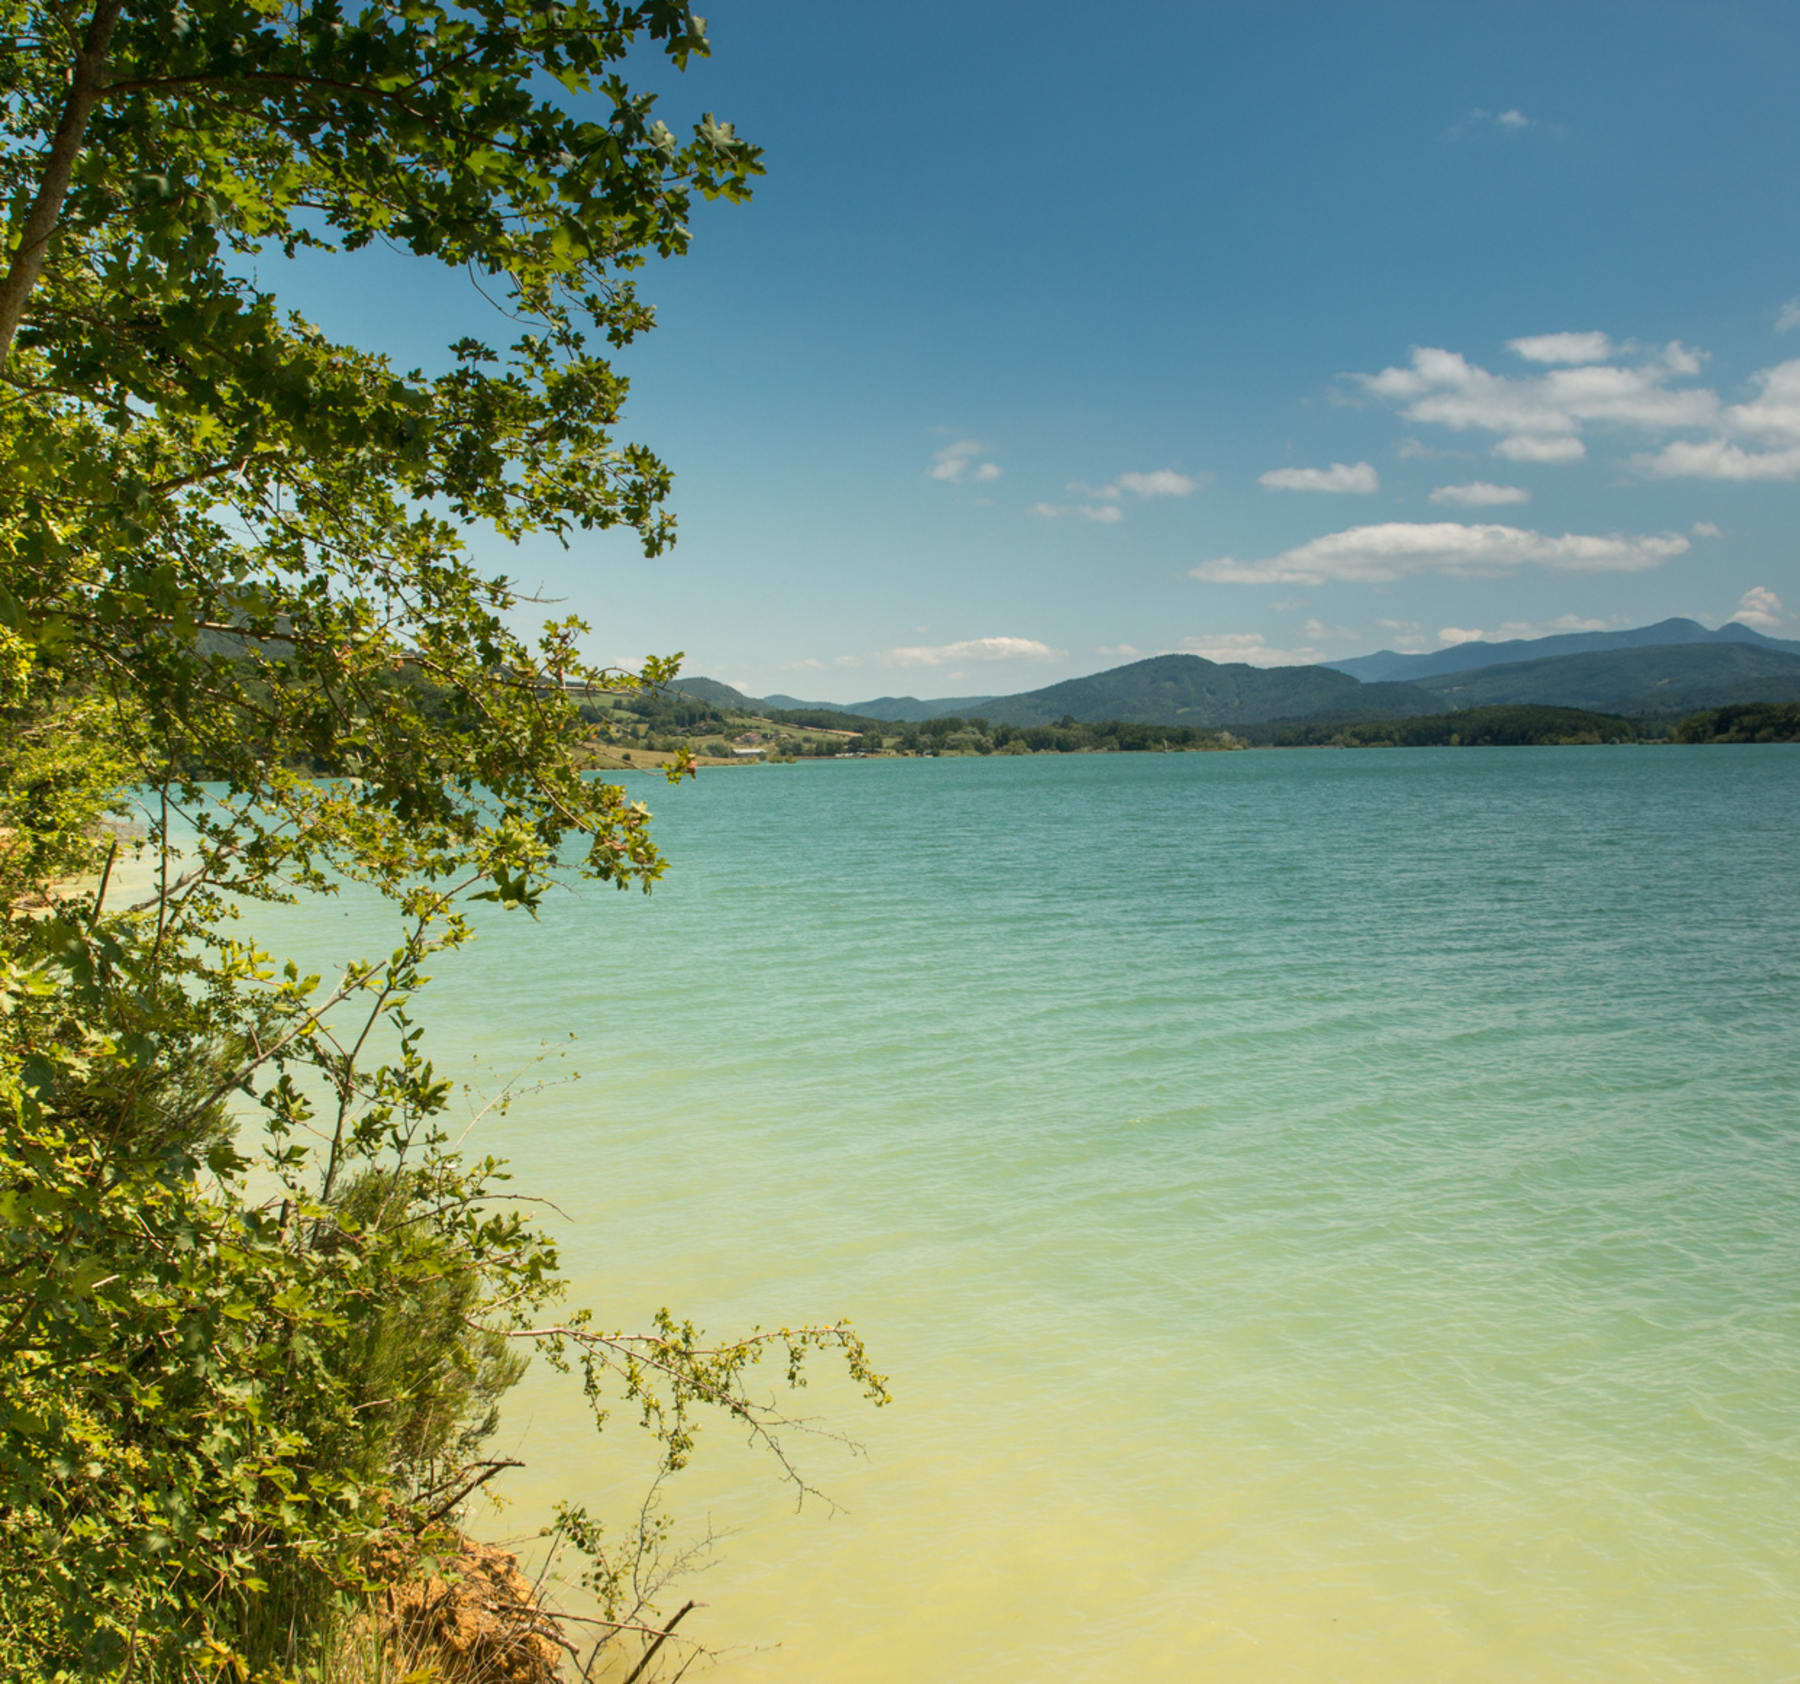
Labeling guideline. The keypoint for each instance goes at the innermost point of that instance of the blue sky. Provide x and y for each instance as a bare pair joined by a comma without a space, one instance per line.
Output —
1058,334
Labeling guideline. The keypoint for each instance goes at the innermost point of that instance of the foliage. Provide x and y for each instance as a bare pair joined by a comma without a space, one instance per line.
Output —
1748,722
1490,727
825,719
255,1311
841,733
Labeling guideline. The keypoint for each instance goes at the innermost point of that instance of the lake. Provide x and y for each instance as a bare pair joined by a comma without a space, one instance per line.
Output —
1324,1215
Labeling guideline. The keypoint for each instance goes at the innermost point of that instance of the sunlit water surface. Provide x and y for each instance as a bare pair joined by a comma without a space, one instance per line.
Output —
1325,1216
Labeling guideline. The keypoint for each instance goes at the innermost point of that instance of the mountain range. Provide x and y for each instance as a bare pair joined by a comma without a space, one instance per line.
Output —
1461,657
1674,666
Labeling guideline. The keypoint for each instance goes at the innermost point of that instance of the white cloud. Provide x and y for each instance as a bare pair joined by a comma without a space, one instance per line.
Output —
1721,459
1775,414
1681,359
1789,317
1772,418
1512,120
957,463
1522,447
1479,494
1159,482
1564,348
1445,389
1107,514
1705,529
972,649
1450,636
1550,628
1759,607
1409,636
1358,478
1316,631
1121,651
1395,549
1248,648
1413,450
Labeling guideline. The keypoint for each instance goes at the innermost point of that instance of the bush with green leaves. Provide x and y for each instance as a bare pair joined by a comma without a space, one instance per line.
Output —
255,1312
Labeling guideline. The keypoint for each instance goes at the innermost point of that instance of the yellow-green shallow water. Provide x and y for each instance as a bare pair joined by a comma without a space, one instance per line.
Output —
1325,1216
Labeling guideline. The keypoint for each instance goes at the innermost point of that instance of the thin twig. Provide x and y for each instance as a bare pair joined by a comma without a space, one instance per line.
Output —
650,1654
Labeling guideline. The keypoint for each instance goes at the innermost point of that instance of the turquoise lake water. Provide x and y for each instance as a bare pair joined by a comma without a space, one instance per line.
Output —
1326,1216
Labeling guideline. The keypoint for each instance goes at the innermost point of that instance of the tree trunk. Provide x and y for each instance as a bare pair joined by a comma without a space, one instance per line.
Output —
46,209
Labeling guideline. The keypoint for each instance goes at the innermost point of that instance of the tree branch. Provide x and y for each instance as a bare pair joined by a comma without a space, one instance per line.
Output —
59,167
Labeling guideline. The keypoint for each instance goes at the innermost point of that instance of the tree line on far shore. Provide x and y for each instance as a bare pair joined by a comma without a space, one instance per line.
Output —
668,720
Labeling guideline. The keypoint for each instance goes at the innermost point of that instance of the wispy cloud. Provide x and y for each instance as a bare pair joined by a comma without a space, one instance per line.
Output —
1158,482
971,649
1316,631
1706,529
1358,479
1523,447
1410,638
1249,649
1720,459
1479,494
1107,514
1510,121
1564,348
958,463
1788,317
1397,549
1416,450
1759,607
1122,651
1552,628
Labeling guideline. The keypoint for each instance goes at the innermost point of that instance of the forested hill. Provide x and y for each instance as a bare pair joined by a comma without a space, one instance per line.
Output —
1163,690
1465,657
1186,690
892,709
1669,679
1658,679
888,709
715,694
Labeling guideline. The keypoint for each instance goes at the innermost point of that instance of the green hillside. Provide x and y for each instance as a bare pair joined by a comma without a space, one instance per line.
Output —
1750,722
1666,679
1486,727
718,695
1186,690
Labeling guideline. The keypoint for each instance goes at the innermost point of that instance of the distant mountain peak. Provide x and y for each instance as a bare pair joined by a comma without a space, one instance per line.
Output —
1390,666
1180,689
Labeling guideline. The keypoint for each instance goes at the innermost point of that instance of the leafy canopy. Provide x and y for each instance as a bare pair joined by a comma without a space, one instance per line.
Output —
255,1310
